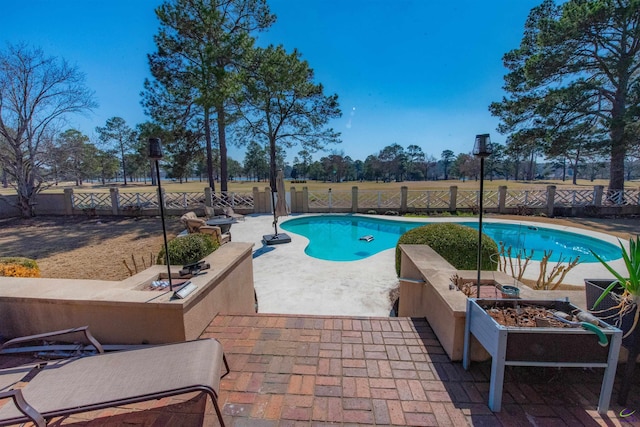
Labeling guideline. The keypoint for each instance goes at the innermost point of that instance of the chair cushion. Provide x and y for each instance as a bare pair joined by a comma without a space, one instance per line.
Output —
194,224
115,378
188,215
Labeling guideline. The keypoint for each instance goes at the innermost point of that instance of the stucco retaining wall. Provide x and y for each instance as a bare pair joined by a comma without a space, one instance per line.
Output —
124,312
425,292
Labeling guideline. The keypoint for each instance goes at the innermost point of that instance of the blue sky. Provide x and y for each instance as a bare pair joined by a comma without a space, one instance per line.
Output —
408,72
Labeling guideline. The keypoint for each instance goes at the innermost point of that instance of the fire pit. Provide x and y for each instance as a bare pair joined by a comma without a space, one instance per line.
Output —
531,333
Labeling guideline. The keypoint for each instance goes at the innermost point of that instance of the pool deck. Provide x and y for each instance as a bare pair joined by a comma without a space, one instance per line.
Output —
287,281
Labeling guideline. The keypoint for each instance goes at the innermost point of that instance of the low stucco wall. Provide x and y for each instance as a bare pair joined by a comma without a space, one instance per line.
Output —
424,292
124,312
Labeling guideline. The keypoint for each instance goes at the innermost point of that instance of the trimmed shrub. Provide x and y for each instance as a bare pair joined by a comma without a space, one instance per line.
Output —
456,243
18,267
188,249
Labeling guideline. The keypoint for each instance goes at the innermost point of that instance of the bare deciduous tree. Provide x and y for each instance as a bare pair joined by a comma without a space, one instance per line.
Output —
36,94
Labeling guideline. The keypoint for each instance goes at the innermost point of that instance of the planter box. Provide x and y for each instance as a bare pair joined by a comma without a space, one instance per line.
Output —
425,292
539,346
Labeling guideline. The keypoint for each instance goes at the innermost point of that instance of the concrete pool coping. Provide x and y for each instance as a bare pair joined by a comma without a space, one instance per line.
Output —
287,281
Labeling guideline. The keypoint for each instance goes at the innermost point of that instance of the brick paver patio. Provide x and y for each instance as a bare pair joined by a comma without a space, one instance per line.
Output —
327,371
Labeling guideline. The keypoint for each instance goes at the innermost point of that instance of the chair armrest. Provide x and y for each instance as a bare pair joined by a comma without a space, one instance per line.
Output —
211,229
24,407
28,338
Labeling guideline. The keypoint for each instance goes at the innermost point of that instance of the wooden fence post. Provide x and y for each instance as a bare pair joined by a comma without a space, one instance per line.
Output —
551,197
294,202
404,191
453,197
502,198
305,199
68,201
598,191
354,199
115,195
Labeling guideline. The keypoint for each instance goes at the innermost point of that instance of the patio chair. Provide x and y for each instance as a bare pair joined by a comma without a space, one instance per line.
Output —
228,211
209,212
40,392
194,224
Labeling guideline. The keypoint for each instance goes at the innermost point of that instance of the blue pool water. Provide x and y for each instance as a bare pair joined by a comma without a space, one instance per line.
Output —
337,238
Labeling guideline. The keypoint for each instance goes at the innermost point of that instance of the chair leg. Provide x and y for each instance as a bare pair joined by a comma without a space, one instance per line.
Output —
218,412
226,366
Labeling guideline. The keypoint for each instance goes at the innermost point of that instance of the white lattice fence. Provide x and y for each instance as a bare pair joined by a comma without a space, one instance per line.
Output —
531,198
433,199
490,199
91,201
184,200
137,200
621,198
378,200
234,200
340,199
318,200
470,199
574,198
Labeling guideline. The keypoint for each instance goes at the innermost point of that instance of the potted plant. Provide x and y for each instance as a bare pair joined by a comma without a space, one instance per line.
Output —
621,295
621,307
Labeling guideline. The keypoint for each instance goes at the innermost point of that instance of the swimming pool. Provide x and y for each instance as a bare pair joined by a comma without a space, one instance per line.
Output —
337,238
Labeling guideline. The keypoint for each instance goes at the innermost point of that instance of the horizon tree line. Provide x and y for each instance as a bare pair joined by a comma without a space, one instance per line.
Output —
573,99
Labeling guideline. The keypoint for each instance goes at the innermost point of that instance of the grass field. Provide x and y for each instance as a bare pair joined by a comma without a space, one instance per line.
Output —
246,186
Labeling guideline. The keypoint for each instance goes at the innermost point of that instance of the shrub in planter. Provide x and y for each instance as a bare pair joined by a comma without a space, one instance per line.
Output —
628,281
624,291
456,243
624,310
188,249
18,267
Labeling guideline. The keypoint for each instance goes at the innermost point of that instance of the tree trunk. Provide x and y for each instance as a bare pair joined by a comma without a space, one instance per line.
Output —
124,166
617,134
618,152
532,166
222,140
207,133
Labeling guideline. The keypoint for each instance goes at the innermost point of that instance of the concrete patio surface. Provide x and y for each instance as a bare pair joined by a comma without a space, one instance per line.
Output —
287,281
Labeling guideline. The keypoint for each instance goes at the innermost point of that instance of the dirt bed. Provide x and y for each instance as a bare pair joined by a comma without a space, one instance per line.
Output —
85,248
525,317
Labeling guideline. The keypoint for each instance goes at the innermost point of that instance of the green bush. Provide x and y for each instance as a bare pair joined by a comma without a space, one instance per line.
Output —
456,243
188,249
25,262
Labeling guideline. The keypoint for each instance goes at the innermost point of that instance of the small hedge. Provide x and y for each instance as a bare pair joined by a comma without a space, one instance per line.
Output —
18,267
188,249
456,243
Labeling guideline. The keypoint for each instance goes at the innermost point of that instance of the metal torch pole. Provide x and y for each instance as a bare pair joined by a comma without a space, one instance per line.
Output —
164,227
480,225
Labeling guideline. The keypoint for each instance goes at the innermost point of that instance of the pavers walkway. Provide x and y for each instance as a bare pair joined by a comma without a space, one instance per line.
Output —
319,371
